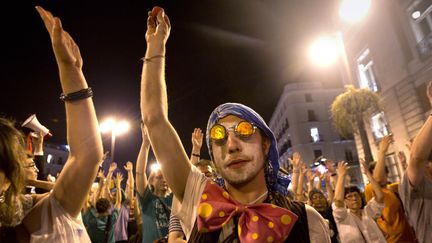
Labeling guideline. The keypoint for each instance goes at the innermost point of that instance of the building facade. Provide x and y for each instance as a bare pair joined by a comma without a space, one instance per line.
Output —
390,52
302,123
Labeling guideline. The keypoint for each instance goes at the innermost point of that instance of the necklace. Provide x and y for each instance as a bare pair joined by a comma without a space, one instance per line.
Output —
259,198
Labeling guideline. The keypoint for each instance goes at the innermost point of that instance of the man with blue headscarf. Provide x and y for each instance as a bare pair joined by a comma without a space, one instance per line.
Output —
251,205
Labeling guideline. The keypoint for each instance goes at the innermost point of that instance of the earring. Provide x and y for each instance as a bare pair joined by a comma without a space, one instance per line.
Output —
2,197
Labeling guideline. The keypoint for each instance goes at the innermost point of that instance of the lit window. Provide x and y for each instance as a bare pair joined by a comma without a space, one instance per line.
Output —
379,126
314,134
365,69
49,158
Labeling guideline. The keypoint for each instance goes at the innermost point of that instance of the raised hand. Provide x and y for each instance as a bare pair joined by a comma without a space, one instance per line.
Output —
385,143
128,167
364,168
119,178
330,166
65,49
112,167
101,175
310,175
197,138
341,168
158,29
37,138
296,160
304,168
320,175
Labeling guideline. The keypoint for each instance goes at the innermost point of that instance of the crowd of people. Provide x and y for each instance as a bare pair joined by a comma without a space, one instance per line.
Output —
239,195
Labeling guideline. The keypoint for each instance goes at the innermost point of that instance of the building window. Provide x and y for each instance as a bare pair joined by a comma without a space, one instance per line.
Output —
420,13
314,134
366,73
311,116
349,156
393,170
317,153
308,97
379,126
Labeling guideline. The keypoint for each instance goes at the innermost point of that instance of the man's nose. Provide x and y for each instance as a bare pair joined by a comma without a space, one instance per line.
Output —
233,142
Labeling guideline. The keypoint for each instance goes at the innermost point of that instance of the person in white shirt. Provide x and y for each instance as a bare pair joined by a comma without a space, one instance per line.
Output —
355,220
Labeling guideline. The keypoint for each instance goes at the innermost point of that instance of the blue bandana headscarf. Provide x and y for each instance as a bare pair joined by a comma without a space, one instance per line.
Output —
276,180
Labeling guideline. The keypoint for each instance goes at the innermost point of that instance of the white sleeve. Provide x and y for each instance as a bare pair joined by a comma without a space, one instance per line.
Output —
339,214
373,208
319,231
186,210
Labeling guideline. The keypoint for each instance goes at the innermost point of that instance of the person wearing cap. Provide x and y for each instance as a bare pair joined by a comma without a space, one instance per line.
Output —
251,205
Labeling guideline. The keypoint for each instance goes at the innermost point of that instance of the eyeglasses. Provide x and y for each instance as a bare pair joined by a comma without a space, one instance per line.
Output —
243,130
352,196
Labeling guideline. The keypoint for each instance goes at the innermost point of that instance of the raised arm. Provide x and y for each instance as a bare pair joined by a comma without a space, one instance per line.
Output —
141,164
421,149
379,196
379,173
164,139
197,139
101,186
296,171
339,194
130,183
300,190
83,135
329,188
106,190
118,180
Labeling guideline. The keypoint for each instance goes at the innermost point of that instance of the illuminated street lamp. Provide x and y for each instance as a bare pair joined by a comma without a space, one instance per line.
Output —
325,50
354,10
116,128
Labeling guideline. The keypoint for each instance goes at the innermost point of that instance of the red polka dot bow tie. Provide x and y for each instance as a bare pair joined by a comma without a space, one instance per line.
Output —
262,222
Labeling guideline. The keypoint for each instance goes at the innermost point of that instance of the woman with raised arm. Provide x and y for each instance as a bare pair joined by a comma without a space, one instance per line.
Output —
54,217
355,220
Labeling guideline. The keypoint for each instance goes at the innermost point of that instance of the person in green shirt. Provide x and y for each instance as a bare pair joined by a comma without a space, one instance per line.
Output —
99,222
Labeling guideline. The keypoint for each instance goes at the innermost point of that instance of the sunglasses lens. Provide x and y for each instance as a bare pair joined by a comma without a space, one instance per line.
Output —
245,129
218,132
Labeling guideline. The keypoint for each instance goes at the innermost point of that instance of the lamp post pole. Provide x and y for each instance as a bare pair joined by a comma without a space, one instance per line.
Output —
113,138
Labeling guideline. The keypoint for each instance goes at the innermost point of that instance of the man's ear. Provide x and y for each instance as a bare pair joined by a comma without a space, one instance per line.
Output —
266,145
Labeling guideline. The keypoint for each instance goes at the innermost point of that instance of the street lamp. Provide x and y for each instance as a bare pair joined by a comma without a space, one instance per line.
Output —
350,11
116,128
325,50
354,10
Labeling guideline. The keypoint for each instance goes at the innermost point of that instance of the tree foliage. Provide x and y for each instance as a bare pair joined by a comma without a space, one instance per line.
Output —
351,106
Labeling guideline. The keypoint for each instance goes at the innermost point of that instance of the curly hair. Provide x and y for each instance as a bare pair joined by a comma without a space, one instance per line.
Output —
102,205
12,157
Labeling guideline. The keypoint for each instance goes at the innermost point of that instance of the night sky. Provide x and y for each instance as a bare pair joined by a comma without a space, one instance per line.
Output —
219,51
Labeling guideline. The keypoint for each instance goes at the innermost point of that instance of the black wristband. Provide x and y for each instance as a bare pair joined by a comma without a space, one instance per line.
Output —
196,155
78,95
